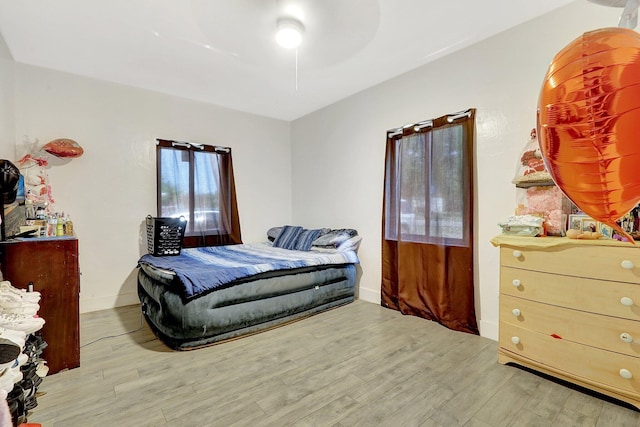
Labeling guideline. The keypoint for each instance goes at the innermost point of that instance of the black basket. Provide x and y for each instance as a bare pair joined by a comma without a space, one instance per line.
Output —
164,235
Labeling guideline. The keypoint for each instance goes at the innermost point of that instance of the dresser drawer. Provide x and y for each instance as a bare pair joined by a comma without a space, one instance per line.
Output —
611,333
573,292
594,365
621,264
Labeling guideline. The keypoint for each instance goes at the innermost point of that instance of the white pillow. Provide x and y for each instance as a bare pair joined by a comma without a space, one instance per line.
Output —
351,244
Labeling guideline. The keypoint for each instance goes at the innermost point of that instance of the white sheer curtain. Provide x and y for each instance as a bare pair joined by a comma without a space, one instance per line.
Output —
429,198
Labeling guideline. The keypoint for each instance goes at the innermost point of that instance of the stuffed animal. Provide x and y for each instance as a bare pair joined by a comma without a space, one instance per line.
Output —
584,235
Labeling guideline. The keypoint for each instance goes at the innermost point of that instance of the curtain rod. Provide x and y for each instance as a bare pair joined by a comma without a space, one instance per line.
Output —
416,127
458,115
187,144
196,145
427,123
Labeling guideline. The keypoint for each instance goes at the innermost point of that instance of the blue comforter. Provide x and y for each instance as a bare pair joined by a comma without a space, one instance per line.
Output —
201,270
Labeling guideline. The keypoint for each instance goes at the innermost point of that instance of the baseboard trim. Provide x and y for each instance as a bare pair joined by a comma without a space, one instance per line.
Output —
489,330
103,303
369,295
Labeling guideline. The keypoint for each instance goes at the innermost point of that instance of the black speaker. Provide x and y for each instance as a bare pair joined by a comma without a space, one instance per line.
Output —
9,177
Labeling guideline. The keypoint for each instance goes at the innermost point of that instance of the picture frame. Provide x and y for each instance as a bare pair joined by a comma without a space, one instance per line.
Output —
605,230
575,221
589,224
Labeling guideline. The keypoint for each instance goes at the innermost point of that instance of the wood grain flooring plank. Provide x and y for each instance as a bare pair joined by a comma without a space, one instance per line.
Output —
582,403
328,414
474,422
388,374
200,411
549,398
296,402
423,406
569,417
611,415
478,383
359,364
398,405
508,400
524,418
430,423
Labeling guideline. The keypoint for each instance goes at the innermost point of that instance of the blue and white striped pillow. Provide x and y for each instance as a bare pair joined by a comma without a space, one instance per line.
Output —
288,237
335,238
306,238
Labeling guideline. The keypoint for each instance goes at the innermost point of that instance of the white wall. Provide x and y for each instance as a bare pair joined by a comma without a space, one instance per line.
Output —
330,176
338,152
7,128
112,187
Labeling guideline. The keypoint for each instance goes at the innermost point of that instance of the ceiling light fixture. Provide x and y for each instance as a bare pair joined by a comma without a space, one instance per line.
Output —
289,32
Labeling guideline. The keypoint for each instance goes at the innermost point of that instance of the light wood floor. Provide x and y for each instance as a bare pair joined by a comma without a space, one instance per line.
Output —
357,365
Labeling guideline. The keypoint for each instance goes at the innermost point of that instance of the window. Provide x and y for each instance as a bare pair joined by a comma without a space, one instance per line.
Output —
427,228
196,181
428,187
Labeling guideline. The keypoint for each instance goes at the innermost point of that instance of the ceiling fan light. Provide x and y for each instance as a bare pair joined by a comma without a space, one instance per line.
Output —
289,33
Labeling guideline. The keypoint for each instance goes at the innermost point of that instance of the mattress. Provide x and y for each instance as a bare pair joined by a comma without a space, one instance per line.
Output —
242,307
202,270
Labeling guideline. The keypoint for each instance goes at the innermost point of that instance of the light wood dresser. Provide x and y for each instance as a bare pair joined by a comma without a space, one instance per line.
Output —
571,309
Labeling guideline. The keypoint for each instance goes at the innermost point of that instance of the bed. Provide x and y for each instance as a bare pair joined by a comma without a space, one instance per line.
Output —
208,295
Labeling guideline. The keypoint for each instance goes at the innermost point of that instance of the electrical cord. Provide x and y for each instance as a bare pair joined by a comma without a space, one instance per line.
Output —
115,336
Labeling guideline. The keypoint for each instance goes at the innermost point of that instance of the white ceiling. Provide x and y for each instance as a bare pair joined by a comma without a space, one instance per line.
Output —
223,52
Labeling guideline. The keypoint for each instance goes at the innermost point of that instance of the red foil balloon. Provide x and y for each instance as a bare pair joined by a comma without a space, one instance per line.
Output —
589,123
63,147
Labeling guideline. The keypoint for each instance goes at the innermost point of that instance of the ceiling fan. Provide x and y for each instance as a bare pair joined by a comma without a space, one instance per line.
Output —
629,17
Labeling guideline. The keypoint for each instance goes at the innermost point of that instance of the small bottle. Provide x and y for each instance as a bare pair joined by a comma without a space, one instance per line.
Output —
68,227
40,213
30,209
52,223
60,227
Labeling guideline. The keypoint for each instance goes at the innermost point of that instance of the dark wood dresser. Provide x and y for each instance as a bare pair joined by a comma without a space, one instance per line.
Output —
51,264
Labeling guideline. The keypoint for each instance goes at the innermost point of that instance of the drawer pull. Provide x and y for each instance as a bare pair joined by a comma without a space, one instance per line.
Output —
626,301
516,312
626,374
626,337
627,264
515,340
517,254
516,283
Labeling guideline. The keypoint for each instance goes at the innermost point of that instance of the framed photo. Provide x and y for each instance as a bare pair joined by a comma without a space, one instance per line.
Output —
606,230
575,221
589,224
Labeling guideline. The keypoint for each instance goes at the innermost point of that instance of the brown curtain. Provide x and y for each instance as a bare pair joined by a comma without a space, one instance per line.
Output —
221,227
230,217
427,239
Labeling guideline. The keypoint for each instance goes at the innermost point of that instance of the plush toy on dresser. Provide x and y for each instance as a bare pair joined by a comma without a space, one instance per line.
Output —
536,193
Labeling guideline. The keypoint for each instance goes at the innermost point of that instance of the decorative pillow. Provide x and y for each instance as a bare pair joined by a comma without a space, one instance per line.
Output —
287,237
335,238
306,238
273,232
352,244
